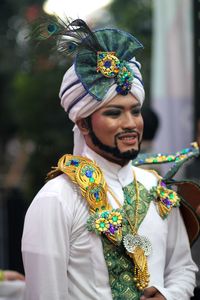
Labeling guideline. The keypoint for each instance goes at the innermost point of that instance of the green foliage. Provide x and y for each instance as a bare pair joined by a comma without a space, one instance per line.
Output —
35,109
30,79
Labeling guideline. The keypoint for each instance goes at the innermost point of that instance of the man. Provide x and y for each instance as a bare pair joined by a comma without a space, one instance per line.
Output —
98,231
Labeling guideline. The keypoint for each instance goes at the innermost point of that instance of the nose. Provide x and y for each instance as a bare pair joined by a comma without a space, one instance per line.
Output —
128,121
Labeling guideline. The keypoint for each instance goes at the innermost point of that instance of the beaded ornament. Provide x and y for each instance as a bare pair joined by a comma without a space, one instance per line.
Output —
110,66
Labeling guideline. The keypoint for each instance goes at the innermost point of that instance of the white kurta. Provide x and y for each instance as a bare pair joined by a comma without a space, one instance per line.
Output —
63,261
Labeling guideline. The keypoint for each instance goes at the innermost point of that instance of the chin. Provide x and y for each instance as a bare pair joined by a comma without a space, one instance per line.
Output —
126,155
128,149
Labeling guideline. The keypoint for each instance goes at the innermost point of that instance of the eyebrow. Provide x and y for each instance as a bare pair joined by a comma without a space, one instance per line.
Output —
121,106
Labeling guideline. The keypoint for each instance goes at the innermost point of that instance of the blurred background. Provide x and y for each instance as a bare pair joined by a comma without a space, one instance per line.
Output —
35,131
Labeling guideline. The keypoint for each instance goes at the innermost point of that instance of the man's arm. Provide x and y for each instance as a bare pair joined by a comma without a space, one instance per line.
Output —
45,247
179,277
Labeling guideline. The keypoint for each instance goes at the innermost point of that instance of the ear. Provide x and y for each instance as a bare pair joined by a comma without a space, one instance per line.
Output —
83,126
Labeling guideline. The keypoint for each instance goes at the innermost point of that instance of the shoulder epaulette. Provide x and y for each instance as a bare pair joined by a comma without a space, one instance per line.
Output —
89,178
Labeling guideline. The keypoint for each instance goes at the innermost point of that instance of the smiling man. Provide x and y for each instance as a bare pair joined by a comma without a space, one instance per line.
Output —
100,228
115,130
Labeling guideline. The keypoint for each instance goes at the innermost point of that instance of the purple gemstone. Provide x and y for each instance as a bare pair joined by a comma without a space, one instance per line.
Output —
167,202
112,229
163,184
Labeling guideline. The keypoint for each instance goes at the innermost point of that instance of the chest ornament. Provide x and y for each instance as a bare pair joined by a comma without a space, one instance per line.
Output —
164,198
108,223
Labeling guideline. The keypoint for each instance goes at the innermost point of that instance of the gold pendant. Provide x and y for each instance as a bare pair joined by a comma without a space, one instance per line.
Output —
138,248
139,258
141,274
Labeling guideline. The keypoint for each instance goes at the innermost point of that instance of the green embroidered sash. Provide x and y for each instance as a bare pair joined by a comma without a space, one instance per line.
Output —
120,265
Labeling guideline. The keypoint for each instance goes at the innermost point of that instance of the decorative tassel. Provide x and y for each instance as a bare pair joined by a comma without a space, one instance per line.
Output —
53,173
163,210
141,275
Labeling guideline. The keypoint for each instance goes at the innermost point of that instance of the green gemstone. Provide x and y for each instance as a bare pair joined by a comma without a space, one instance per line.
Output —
92,179
169,158
115,218
129,201
104,214
171,196
102,224
184,151
155,160
162,193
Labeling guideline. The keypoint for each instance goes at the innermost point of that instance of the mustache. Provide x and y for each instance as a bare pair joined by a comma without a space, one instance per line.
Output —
129,131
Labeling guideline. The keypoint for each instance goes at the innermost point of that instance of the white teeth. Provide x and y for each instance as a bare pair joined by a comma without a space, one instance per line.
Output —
127,138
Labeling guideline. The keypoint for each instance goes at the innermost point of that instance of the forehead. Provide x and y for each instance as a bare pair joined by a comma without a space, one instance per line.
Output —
124,101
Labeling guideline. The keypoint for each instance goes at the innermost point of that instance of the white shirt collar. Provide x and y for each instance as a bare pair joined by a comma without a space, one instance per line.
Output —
112,171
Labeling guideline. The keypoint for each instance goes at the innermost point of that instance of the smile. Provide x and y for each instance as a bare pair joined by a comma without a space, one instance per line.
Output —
128,138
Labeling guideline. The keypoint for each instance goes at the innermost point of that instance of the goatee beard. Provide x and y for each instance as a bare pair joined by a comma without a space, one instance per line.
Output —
127,155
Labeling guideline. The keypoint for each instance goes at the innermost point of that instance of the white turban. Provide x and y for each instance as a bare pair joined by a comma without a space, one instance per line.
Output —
72,90
79,104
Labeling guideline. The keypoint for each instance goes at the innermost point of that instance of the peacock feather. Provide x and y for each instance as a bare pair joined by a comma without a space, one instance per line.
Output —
70,36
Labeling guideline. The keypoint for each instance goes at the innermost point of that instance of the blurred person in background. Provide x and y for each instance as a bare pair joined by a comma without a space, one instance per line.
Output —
12,285
10,276
151,125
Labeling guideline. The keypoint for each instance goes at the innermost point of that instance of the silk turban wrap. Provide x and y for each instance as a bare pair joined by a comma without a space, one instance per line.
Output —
78,103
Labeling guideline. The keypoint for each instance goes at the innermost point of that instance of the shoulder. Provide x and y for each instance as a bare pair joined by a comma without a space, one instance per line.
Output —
58,194
147,177
57,186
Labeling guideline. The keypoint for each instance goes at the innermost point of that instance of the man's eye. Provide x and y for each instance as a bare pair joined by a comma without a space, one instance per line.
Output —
136,111
112,113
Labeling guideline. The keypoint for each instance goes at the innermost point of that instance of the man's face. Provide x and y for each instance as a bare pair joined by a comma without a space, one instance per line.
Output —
116,129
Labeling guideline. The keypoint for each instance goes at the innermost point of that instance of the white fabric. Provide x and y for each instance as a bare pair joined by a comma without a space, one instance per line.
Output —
12,290
63,261
79,141
89,104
